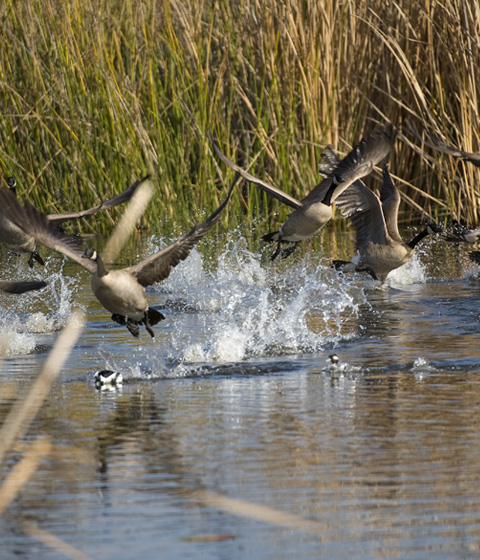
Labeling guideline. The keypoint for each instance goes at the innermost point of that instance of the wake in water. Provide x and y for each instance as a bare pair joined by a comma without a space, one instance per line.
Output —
250,309
242,310
24,318
237,309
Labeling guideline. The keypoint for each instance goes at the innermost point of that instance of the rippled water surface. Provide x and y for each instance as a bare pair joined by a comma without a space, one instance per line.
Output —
233,436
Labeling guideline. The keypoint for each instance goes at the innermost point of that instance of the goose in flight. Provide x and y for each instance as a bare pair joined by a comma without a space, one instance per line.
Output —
378,240
19,241
312,212
120,291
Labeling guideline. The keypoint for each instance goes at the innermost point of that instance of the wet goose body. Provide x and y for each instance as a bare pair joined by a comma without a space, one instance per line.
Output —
380,246
122,291
312,212
19,241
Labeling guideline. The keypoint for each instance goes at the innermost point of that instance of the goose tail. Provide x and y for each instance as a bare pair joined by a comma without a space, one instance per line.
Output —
154,316
272,236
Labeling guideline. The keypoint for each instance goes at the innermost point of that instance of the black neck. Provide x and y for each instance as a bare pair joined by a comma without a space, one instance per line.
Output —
419,237
328,197
101,268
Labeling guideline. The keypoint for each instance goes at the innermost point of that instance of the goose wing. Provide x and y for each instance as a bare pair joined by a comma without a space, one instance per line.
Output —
439,145
390,199
121,198
363,208
33,222
358,163
158,266
269,189
359,204
21,286
330,161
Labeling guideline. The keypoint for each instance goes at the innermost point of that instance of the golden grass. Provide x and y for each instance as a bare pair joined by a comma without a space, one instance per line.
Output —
96,93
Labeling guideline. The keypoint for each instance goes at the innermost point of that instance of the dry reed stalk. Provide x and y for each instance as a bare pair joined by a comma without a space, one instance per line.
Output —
132,214
23,470
89,99
260,513
24,410
54,542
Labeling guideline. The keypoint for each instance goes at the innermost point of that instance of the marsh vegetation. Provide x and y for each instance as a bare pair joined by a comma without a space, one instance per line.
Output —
95,93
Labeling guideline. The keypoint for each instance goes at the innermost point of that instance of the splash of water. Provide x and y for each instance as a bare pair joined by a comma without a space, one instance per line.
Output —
253,309
25,316
412,272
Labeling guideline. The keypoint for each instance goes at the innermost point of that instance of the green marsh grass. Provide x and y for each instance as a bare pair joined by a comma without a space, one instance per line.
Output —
95,93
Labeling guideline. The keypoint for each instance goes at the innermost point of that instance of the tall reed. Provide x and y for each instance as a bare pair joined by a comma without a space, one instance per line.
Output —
95,93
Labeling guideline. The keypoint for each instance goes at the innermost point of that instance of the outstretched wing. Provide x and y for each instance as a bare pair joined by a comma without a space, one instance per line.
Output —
121,198
440,146
21,286
358,163
269,189
158,266
33,222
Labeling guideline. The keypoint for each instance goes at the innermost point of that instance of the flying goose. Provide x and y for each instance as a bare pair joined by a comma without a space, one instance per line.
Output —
312,212
378,240
121,291
19,241
21,286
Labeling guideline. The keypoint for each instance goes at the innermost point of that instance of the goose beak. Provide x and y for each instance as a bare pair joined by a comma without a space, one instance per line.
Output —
432,227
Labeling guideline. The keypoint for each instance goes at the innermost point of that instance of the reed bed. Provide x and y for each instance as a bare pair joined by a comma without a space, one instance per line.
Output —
95,93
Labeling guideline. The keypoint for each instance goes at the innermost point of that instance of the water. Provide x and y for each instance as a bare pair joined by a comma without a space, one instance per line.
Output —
233,436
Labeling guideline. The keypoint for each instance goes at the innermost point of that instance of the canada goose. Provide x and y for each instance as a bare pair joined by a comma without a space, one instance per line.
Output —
19,241
122,291
378,241
21,286
315,210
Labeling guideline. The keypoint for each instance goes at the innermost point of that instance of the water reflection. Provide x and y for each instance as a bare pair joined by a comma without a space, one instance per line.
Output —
234,406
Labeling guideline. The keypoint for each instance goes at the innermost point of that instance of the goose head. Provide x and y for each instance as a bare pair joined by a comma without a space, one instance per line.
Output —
90,254
12,184
336,181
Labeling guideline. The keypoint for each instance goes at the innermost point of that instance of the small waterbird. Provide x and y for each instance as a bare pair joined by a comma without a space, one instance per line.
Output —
107,378
19,241
312,212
